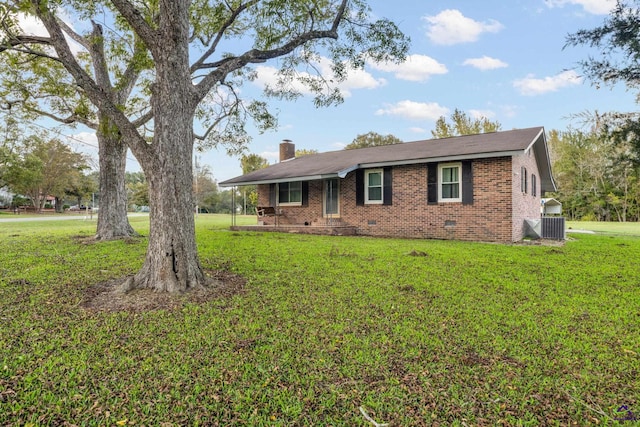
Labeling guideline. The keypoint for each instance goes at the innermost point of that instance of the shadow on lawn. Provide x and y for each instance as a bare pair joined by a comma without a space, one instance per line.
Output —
105,296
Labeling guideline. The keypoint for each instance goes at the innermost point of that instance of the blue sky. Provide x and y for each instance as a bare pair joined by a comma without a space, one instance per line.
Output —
502,60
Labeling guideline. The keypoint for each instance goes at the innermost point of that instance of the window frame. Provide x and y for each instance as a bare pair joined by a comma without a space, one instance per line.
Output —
289,203
534,185
441,182
367,200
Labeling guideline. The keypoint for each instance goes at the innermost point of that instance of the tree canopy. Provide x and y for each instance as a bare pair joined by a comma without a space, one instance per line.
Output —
44,167
372,139
617,61
197,59
305,151
461,124
34,80
597,179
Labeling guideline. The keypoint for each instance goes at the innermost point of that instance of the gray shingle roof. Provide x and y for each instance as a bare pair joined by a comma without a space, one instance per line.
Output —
339,163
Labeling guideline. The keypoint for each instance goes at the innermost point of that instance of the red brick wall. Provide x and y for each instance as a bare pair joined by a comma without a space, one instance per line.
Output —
496,192
525,205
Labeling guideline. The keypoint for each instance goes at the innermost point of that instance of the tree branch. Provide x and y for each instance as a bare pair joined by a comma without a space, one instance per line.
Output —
142,120
138,23
19,43
73,118
131,74
254,56
74,36
92,90
196,65
100,69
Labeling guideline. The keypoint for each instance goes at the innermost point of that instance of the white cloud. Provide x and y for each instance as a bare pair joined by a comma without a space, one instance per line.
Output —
596,7
482,114
338,145
416,129
414,110
34,27
271,156
531,86
416,68
356,79
510,110
452,27
485,63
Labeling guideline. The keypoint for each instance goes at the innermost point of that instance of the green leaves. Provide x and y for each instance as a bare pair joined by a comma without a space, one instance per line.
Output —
461,124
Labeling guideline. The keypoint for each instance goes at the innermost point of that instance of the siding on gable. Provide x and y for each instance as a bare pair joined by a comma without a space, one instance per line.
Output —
489,218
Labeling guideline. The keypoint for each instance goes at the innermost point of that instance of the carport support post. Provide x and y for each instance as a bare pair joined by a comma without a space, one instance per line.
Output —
233,206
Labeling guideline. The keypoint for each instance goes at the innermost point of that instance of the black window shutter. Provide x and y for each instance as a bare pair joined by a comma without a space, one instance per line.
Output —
467,182
359,187
305,193
387,186
272,194
432,183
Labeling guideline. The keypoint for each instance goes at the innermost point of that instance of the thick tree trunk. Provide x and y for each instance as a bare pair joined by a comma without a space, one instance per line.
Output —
171,263
112,219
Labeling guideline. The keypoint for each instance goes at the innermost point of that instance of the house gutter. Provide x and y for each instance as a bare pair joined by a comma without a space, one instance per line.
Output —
278,180
343,173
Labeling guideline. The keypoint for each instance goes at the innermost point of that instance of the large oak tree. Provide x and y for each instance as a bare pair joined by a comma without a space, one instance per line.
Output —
36,82
297,32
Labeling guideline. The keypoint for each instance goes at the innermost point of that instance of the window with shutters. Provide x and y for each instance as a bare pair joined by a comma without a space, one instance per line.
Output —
290,193
450,184
373,182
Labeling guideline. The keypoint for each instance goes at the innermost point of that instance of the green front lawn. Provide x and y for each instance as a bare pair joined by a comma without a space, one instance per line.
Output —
628,228
416,332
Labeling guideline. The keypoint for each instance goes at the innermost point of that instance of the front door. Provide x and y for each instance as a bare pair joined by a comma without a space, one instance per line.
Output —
331,198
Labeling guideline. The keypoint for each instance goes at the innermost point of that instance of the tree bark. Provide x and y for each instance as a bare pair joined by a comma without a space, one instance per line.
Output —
112,219
171,263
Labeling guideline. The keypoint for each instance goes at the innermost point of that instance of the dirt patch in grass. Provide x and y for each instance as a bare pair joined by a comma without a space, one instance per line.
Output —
105,296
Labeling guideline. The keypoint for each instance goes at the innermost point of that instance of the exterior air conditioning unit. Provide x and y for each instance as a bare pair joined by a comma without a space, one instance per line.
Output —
553,227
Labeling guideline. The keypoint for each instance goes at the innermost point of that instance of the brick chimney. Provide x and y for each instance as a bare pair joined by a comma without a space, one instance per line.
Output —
287,150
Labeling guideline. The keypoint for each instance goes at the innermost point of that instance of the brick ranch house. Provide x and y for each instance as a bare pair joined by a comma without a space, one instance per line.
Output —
476,187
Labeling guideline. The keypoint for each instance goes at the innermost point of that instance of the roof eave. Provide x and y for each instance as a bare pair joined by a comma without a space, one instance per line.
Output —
442,159
344,172
543,159
277,180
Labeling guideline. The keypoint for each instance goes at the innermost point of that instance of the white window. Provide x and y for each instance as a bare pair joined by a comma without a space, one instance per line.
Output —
290,193
373,186
450,184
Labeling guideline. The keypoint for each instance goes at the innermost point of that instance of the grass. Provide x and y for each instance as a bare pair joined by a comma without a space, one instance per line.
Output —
627,228
416,332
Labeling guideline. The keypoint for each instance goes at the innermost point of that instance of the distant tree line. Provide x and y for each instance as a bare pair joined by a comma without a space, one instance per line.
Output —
598,178
36,167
